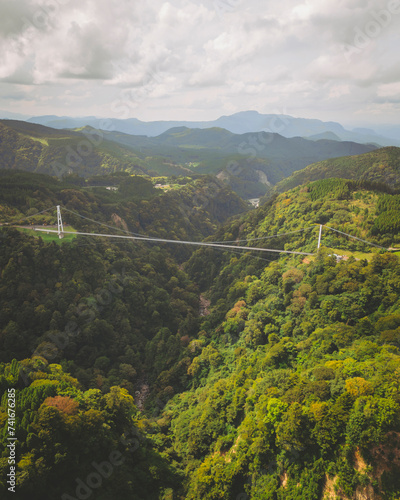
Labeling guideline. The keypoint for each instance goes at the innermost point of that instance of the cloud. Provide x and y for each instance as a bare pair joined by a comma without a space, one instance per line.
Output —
177,53
14,18
389,89
338,91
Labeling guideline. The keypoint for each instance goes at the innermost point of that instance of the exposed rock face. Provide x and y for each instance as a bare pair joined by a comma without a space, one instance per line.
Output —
222,176
204,304
381,456
119,222
262,177
141,395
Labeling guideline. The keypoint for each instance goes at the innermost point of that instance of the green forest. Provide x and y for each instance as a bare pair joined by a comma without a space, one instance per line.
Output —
380,166
285,386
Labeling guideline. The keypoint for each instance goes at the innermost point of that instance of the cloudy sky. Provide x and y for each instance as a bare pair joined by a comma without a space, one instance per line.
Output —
200,59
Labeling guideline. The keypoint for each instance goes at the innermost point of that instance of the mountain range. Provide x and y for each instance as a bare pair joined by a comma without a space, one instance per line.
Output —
237,123
249,162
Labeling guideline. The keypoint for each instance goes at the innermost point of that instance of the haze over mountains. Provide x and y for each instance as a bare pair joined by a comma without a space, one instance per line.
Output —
238,123
248,150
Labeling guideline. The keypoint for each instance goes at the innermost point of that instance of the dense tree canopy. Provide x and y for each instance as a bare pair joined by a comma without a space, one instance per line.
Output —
287,388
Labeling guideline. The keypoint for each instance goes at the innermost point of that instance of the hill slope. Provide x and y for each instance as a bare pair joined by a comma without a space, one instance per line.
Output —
248,162
286,387
85,152
283,382
382,165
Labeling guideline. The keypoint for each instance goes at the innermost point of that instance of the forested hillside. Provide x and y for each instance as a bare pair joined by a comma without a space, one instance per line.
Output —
35,148
192,211
294,389
382,165
286,387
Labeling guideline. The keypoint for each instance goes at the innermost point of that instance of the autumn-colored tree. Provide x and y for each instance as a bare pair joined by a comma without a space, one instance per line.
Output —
65,404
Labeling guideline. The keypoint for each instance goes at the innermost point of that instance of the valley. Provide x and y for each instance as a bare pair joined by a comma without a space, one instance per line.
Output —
249,163
199,250
258,362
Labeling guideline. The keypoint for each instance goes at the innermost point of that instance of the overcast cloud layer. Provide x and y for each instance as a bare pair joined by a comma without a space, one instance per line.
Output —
199,59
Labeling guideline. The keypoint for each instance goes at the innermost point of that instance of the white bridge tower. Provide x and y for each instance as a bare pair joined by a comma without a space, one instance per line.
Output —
319,236
60,226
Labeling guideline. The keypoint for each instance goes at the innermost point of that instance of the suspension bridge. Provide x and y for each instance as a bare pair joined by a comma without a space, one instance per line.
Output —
60,231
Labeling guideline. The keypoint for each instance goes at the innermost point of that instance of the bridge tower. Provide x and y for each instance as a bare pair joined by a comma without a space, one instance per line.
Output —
319,236
60,226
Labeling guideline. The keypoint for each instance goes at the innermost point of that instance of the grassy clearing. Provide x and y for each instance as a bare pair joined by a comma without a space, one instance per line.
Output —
345,253
49,237
349,253
39,139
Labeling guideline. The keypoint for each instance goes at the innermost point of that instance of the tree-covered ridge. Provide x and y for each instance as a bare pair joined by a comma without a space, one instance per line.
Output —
291,221
381,166
297,387
287,388
35,148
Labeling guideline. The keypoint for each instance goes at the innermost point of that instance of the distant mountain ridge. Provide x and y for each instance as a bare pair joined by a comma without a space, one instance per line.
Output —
249,162
237,123
9,115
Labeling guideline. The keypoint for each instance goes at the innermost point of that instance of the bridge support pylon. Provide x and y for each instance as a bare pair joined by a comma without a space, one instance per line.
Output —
319,236
60,226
